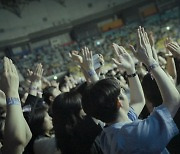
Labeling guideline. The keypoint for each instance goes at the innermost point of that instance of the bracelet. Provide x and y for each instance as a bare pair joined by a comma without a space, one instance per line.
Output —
40,92
13,101
152,66
32,88
91,72
131,75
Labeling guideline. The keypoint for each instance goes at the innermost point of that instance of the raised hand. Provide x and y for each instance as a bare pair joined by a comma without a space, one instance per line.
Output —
2,99
74,55
101,59
152,43
123,60
144,51
10,79
36,75
151,39
87,63
36,80
88,66
174,48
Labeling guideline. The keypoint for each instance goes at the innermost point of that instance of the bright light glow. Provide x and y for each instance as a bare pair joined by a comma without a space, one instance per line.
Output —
55,77
168,28
98,43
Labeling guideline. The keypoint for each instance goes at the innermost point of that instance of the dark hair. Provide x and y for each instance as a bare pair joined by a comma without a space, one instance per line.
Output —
62,82
151,90
66,116
81,88
100,100
47,92
36,121
36,126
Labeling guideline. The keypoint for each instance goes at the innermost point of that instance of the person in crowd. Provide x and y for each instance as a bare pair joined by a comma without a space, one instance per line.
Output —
16,131
124,132
40,124
37,116
75,132
154,99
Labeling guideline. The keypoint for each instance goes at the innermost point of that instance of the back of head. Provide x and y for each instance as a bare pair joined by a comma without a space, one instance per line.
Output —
47,93
151,90
36,121
66,116
100,100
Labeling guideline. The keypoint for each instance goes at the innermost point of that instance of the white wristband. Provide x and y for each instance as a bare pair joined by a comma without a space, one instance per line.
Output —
13,101
91,72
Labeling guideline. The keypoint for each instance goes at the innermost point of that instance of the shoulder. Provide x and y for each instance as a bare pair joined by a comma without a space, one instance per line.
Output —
45,145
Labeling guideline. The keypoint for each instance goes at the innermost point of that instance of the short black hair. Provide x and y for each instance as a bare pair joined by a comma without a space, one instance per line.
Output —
151,90
47,92
100,100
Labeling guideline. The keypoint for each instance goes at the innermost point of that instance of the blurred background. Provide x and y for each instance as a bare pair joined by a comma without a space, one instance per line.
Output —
33,31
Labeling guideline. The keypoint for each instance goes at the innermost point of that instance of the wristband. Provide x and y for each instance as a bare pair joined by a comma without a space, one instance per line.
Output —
131,75
33,88
91,72
152,66
40,92
13,101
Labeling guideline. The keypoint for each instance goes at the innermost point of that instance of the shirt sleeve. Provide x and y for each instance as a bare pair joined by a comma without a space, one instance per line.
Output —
132,115
157,130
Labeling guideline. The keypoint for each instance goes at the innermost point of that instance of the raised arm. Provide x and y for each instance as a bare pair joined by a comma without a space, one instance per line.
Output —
170,95
124,61
17,133
88,65
35,79
170,65
74,55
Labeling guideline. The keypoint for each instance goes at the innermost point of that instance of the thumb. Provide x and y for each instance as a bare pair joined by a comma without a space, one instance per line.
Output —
131,47
70,55
116,62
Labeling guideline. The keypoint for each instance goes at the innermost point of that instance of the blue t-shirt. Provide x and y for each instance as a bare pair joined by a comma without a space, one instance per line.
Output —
148,136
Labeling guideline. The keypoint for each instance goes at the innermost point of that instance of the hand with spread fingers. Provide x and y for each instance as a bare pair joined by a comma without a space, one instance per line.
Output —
88,66
152,43
151,39
10,79
144,51
123,60
87,63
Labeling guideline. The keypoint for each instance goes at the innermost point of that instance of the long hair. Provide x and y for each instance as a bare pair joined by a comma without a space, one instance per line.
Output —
66,117
35,123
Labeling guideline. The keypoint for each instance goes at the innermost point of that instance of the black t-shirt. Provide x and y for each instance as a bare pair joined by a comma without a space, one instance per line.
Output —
85,139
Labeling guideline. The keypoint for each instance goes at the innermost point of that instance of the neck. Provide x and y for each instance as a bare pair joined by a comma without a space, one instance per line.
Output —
122,117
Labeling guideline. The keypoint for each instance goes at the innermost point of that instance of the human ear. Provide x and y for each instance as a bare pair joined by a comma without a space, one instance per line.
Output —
118,103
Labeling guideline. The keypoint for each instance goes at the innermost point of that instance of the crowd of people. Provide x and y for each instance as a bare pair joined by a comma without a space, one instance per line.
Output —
55,59
131,108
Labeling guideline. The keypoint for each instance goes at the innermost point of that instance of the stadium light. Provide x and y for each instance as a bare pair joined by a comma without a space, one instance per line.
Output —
55,77
98,43
167,28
